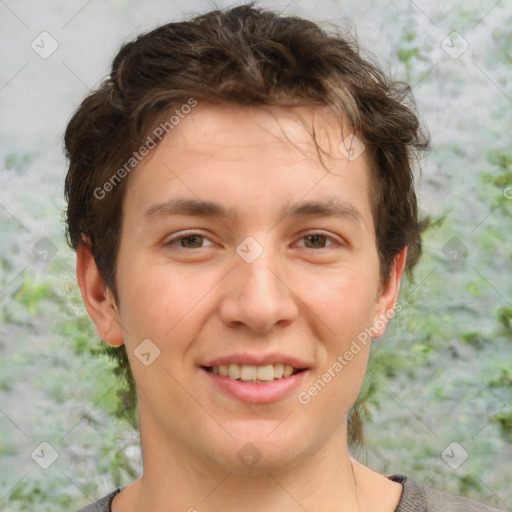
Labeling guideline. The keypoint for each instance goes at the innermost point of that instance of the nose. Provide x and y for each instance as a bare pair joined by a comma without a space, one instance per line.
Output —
257,295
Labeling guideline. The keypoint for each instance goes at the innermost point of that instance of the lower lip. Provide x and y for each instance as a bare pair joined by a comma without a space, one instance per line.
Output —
265,393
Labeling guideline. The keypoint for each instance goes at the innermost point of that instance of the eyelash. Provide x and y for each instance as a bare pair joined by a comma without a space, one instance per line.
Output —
185,235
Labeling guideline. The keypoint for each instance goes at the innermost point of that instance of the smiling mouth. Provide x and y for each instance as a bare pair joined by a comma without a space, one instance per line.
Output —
254,374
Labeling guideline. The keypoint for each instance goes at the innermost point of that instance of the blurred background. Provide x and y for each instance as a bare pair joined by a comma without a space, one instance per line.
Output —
438,394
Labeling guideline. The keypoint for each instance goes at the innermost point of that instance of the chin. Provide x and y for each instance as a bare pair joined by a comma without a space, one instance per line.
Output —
259,447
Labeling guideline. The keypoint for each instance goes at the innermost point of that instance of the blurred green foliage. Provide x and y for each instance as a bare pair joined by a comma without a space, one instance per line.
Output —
445,364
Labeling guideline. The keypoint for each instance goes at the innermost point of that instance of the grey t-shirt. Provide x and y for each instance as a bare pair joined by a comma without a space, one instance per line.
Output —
415,498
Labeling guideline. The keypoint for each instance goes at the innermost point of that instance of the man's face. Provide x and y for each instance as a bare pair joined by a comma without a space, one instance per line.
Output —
275,282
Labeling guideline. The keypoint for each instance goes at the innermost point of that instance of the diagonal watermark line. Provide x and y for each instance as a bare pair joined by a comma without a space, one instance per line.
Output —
424,76
13,13
200,199
400,400
332,332
486,14
285,8
198,301
279,424
287,492
199,403
217,486
12,280
429,481
424,13
111,314
492,417
14,486
88,411
14,423
491,285
492,81
76,14
76,75
305,194
408,292
14,218
483,220
487,487
13,76
76,485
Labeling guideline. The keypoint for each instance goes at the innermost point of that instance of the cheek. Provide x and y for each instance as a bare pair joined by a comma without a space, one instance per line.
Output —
335,389
156,298
344,300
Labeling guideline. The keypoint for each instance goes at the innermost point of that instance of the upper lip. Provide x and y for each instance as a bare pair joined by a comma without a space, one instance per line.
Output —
257,360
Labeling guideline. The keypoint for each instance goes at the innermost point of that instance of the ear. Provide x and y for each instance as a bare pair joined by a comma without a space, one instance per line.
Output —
385,305
98,299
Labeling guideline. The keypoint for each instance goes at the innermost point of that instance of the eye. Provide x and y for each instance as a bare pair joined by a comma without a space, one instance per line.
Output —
189,240
194,240
317,240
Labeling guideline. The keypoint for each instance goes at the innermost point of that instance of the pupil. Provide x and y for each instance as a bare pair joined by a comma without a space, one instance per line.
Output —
197,238
316,238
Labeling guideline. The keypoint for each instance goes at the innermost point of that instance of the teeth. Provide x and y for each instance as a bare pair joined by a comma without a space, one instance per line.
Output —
248,372
278,371
251,373
265,372
234,371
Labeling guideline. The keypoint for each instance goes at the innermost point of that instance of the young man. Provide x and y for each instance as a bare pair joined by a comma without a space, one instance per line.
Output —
242,206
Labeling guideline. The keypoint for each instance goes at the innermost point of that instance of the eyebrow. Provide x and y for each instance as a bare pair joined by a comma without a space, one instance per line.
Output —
330,206
189,207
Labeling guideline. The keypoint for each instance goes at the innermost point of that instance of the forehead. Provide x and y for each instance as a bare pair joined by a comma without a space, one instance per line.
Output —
230,129
249,154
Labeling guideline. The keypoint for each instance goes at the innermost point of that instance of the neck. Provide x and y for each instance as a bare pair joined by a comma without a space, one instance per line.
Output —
325,479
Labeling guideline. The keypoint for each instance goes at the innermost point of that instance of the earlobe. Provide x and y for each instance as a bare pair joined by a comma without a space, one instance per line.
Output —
387,300
98,299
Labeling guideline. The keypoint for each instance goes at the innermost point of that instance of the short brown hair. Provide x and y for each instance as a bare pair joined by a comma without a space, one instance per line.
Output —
242,56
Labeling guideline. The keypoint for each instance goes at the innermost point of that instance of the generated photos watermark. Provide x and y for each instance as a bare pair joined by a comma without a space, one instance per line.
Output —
158,134
363,338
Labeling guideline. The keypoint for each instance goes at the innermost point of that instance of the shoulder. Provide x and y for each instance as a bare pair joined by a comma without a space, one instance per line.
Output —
419,498
103,504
